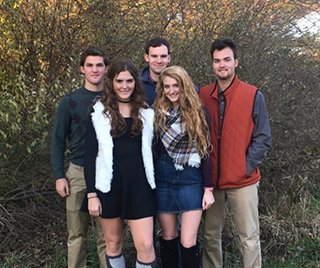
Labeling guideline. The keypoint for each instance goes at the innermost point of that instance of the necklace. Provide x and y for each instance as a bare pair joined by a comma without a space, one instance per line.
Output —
123,100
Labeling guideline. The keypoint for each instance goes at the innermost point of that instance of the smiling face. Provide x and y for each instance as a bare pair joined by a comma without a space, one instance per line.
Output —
224,64
158,59
124,85
171,90
93,70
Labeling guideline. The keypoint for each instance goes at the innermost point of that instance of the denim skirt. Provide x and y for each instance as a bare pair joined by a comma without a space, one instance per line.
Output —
177,190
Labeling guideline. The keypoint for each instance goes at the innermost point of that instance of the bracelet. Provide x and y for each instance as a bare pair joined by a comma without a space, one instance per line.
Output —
94,196
91,195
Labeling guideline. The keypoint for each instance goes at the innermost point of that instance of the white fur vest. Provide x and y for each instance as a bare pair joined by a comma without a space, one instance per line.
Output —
104,160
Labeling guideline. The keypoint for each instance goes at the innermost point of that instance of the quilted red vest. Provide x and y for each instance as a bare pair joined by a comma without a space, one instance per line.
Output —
228,157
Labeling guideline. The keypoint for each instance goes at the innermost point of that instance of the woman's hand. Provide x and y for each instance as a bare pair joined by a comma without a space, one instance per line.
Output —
208,198
94,206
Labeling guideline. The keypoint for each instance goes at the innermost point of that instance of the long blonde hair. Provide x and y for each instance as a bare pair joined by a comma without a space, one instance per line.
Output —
192,113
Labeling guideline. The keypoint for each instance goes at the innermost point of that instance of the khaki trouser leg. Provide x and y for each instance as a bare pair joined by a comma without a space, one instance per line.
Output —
244,206
212,234
101,244
78,222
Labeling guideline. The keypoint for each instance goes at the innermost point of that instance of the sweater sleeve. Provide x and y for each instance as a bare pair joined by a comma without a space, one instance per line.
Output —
206,171
90,155
206,162
261,138
60,132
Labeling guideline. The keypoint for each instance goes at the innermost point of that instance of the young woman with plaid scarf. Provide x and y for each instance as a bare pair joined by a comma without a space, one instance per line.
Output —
182,167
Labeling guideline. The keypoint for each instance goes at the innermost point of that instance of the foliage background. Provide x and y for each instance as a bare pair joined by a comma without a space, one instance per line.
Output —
40,41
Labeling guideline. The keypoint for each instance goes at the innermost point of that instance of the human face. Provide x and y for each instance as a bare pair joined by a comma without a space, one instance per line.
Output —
124,85
224,64
158,59
171,90
94,70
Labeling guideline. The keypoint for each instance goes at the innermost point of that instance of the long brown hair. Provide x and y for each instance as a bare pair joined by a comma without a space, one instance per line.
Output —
192,113
109,100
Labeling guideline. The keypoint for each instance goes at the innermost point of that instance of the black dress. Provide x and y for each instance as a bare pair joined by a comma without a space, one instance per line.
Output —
131,196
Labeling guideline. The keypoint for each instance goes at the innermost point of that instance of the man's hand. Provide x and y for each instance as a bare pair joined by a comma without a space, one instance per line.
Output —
62,187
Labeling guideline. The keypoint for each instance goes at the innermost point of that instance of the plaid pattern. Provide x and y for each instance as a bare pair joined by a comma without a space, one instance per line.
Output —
175,139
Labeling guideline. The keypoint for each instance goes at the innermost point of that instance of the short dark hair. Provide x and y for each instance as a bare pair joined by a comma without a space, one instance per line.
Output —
222,43
93,51
157,42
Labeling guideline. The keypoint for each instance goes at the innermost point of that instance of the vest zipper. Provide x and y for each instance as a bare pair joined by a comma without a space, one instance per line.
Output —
220,126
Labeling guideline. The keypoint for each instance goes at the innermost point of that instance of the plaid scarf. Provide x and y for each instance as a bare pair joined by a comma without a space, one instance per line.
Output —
175,139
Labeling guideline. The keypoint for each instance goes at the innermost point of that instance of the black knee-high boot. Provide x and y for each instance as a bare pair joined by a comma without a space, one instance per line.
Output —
169,253
190,256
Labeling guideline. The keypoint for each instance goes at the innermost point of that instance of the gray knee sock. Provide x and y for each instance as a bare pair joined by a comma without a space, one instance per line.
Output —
140,264
116,261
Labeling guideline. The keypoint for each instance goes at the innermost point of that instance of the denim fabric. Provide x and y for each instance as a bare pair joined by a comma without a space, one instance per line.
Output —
177,190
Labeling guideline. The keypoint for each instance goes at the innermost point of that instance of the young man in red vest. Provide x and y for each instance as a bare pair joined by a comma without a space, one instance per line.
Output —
241,137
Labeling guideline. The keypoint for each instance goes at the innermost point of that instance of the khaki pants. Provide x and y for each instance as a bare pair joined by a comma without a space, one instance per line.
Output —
78,222
244,207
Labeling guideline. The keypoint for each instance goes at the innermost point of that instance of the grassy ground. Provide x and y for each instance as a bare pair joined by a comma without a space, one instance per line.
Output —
305,254
33,227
